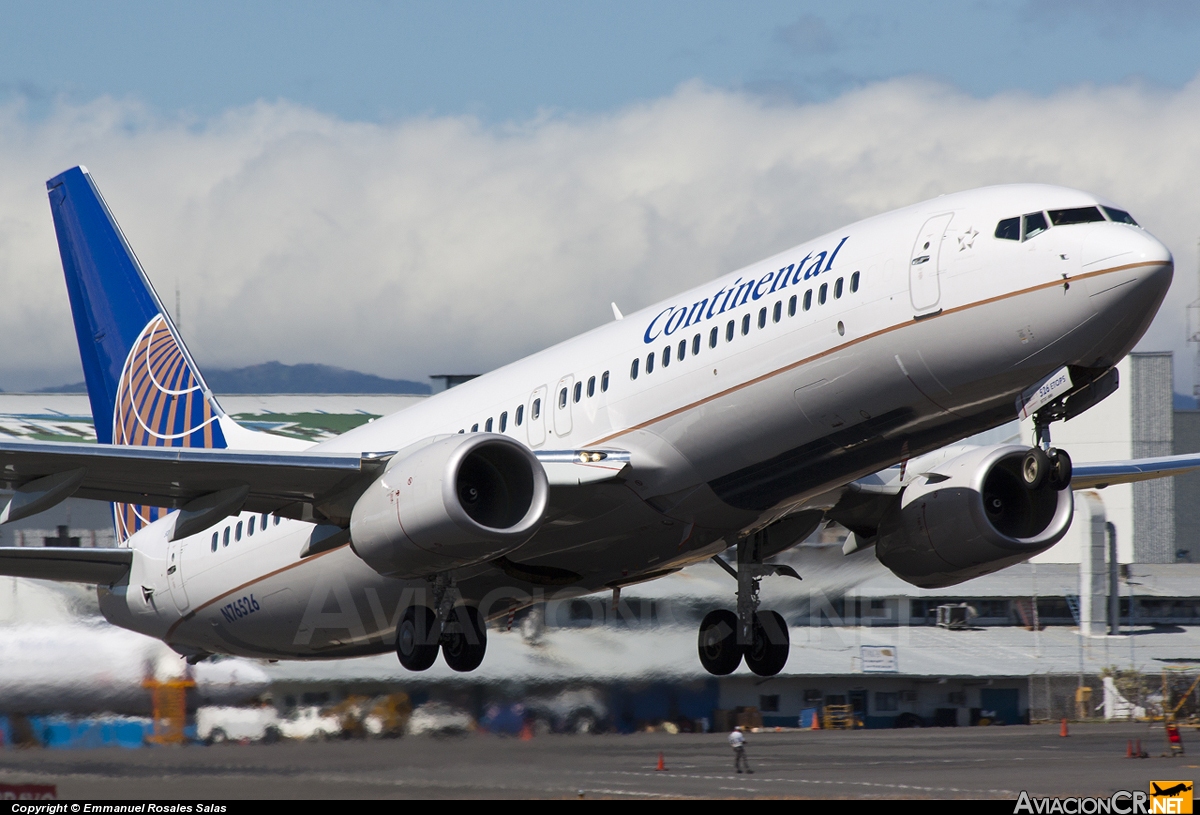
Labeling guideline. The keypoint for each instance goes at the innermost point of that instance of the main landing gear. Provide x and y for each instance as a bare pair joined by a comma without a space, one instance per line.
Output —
759,637
1044,464
459,630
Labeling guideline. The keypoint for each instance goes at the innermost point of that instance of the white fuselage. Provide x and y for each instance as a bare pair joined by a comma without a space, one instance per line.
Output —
744,406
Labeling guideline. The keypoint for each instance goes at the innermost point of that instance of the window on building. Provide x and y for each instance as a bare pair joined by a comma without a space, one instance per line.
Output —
887,702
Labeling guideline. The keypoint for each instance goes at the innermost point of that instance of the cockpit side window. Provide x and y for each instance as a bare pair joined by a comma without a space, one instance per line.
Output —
1120,216
1035,224
1009,229
1078,215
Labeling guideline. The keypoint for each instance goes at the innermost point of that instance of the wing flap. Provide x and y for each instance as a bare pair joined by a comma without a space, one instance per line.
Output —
66,563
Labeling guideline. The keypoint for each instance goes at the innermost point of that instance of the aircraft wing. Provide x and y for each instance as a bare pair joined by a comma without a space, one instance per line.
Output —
65,563
1100,474
279,482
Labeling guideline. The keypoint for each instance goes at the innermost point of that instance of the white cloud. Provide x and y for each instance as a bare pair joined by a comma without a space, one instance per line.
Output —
439,244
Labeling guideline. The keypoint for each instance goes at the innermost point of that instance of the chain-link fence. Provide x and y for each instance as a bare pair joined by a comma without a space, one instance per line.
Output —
1116,694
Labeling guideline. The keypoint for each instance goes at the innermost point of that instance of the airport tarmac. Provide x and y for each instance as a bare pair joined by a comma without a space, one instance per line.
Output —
933,763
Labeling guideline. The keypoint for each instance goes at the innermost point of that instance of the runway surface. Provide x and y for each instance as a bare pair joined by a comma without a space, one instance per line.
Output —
934,763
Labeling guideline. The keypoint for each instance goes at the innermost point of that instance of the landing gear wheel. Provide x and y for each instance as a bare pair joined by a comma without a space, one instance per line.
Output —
768,653
415,643
464,641
1060,469
1034,468
720,653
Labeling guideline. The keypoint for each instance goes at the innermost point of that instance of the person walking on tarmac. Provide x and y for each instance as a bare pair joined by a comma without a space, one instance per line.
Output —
738,742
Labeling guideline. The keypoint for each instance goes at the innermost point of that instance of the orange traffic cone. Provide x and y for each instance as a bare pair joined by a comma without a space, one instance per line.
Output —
1129,749
662,765
526,732
1063,731
816,725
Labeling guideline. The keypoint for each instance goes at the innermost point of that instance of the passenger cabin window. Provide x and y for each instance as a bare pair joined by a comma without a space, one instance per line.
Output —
1035,224
503,421
225,537
633,369
745,325
214,542
277,520
695,345
1120,216
1079,215
475,427
822,294
604,382
808,300
777,314
837,289
487,426
591,387
537,403
712,337
854,282
562,398
666,356
237,536
762,317
520,417
262,522
792,306
650,363
729,331
578,391
1009,229
250,526
682,352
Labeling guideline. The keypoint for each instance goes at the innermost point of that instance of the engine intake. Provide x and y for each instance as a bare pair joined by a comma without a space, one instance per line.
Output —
971,516
452,502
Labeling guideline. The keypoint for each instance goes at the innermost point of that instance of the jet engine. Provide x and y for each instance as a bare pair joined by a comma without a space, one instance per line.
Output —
452,502
980,512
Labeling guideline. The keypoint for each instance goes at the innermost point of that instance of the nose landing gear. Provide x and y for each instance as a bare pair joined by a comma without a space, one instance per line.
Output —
761,638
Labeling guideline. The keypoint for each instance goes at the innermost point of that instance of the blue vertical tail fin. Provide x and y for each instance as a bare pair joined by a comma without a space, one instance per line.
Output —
144,387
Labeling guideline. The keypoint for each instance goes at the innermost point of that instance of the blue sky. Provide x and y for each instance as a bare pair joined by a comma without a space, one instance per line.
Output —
380,61
476,181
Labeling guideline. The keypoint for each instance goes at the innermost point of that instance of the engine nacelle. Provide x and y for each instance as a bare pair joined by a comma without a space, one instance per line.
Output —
971,516
453,502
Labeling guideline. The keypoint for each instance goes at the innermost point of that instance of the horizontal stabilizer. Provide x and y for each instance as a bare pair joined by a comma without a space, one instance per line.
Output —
69,564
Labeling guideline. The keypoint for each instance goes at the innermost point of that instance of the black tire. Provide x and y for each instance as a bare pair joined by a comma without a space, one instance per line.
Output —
416,645
720,653
1060,469
768,652
1035,466
464,642
217,736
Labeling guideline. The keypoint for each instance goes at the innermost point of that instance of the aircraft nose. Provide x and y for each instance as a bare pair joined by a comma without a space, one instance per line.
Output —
1110,245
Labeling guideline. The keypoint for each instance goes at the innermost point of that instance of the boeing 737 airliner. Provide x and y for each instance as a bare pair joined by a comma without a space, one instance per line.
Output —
825,382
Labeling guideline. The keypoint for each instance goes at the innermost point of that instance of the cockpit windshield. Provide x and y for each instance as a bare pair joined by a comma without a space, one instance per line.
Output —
1079,215
1120,216
1035,223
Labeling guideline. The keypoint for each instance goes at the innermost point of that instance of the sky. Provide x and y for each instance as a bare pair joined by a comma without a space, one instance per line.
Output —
414,188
